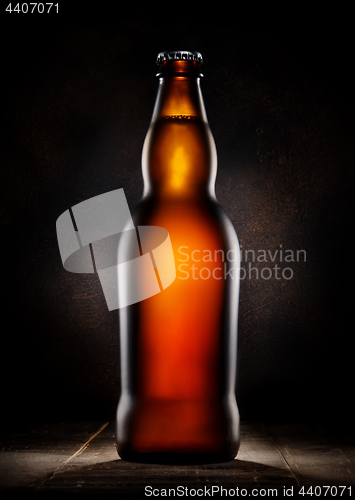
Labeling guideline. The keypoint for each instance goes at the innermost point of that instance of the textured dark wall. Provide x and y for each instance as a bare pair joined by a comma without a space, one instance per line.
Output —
78,101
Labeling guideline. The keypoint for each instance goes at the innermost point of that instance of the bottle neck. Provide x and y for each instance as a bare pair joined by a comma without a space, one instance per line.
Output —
179,96
179,90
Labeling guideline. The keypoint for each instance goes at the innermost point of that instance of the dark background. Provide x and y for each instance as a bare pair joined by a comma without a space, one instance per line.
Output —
77,102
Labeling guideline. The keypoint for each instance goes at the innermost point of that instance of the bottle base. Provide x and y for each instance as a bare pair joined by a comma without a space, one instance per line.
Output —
175,458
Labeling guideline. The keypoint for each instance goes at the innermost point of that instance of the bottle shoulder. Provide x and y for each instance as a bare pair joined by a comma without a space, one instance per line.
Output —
188,216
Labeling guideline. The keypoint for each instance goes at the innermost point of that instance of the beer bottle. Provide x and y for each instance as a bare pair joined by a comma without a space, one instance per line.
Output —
178,348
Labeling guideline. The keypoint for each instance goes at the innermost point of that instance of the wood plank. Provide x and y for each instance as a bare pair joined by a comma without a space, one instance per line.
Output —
78,458
315,457
258,445
28,458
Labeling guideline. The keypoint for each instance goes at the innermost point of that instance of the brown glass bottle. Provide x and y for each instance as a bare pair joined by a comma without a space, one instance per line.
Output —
178,348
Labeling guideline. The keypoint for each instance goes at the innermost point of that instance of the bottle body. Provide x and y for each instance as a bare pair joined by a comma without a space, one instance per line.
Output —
178,348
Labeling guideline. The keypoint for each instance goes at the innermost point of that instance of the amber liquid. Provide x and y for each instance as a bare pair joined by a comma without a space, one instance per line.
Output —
178,348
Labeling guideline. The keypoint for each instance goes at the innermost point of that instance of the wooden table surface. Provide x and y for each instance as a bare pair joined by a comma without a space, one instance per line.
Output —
81,458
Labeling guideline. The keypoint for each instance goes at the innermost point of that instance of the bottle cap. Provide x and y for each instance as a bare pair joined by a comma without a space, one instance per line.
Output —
177,63
179,55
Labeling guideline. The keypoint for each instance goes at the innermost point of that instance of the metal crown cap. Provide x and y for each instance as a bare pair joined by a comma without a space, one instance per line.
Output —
179,55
